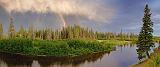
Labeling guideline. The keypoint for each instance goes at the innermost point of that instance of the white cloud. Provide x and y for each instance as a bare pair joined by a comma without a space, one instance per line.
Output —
156,17
91,9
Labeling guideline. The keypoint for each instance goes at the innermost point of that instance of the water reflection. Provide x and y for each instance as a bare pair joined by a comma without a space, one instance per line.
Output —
35,63
3,64
145,54
10,60
122,56
75,61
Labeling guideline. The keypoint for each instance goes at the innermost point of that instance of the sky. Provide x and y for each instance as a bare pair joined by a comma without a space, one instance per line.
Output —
100,15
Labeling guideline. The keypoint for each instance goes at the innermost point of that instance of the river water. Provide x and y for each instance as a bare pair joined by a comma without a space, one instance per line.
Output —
122,56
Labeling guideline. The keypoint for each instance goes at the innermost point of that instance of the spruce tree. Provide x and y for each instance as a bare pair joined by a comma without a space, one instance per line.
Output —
31,33
21,32
1,31
145,39
11,29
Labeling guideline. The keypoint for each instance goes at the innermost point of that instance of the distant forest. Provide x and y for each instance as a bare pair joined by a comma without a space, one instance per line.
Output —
70,32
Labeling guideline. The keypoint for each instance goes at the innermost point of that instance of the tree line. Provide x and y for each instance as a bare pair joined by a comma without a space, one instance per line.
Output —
70,32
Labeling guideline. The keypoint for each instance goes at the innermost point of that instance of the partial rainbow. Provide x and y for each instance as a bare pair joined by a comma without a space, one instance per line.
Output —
63,20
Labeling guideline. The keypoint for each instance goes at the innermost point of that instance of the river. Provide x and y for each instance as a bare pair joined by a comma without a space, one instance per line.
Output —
122,56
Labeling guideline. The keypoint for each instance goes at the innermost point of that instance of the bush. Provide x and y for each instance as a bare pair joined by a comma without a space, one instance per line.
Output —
15,45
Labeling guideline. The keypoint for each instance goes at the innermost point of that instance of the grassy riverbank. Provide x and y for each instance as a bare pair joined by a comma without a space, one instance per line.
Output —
115,42
154,61
56,48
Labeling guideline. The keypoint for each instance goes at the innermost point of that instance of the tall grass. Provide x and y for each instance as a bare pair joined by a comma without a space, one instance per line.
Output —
154,61
53,48
114,42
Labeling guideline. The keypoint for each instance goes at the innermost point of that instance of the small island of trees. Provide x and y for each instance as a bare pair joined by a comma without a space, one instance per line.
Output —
68,41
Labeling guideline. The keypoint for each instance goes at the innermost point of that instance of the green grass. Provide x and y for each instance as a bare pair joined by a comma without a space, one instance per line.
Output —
74,47
114,42
154,61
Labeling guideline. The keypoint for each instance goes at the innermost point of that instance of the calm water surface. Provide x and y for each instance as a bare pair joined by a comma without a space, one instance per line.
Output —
123,56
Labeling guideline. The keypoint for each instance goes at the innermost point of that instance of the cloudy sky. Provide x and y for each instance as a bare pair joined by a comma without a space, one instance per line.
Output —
100,15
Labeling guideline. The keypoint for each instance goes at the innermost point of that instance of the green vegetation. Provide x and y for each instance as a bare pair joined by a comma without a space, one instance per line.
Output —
68,41
70,32
115,42
1,31
73,47
156,39
154,61
145,39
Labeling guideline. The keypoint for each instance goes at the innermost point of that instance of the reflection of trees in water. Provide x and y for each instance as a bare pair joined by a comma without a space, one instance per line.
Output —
159,45
16,60
27,61
2,64
121,47
75,61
